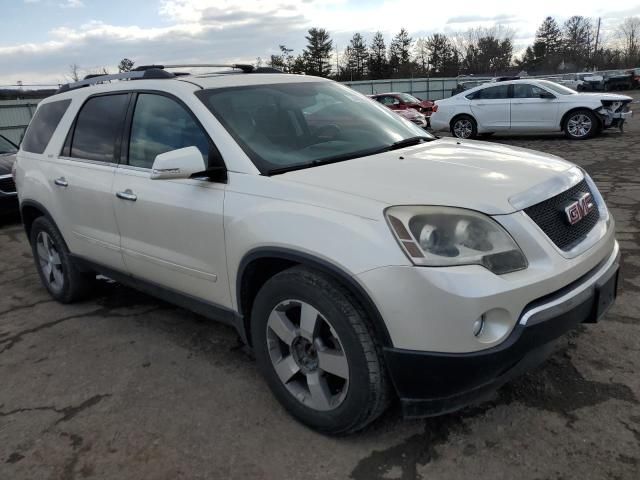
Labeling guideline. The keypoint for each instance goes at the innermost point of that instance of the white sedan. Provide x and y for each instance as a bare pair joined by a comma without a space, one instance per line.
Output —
522,106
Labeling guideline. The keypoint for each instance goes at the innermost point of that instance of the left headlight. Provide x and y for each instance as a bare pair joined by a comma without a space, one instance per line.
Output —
447,236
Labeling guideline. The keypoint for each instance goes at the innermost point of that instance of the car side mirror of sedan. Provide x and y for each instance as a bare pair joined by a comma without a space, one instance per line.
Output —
547,95
180,163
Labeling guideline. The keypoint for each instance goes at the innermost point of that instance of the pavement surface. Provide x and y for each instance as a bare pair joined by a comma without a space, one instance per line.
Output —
127,387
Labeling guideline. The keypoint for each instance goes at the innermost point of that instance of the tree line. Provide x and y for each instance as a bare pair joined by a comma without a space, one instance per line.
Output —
578,44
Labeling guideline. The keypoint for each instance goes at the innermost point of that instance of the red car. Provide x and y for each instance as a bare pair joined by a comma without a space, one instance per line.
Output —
403,101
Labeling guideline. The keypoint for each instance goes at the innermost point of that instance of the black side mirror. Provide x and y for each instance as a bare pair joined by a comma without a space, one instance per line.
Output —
547,95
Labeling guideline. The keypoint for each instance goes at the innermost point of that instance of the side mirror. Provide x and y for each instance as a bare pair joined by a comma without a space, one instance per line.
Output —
547,95
181,163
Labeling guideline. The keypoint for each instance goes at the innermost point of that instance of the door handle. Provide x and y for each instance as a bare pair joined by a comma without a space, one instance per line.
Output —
61,182
127,195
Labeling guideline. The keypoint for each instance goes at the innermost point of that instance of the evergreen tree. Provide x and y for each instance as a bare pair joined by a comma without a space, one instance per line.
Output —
317,54
444,58
358,57
400,53
378,65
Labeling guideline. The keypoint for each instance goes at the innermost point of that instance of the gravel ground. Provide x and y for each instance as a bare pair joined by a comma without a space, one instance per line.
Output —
127,387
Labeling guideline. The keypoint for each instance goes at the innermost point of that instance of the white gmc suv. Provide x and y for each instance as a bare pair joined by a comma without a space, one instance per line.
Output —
358,256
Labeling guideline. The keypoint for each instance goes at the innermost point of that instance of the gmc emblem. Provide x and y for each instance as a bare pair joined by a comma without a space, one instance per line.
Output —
579,209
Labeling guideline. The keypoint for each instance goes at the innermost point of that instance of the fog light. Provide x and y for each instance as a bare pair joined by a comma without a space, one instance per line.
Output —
478,325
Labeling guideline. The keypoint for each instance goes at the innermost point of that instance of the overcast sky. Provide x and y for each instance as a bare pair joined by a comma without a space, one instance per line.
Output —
39,39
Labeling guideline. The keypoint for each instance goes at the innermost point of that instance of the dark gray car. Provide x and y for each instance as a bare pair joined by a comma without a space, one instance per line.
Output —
8,196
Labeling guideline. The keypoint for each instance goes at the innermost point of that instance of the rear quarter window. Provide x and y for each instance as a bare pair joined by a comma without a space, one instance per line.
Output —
42,126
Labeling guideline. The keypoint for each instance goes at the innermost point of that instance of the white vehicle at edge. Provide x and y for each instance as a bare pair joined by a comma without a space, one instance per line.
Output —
529,106
358,256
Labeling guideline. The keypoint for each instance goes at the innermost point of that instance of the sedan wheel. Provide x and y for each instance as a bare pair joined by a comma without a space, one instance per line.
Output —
464,128
579,125
307,355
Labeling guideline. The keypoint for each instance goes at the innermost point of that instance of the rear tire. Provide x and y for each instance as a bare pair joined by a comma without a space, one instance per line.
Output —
308,334
581,124
57,272
464,127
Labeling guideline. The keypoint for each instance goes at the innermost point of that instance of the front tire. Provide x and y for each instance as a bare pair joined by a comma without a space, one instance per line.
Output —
581,125
464,127
317,352
57,272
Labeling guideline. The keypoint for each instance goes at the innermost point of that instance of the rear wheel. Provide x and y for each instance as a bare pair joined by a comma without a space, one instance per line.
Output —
57,272
580,125
464,127
317,353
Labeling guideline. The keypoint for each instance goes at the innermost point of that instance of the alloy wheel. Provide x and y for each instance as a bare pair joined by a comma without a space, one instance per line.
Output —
463,128
579,125
307,355
49,261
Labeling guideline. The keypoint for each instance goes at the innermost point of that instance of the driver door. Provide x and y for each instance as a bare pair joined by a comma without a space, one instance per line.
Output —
171,230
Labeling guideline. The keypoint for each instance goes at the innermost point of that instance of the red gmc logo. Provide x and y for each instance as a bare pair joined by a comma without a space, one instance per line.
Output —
579,209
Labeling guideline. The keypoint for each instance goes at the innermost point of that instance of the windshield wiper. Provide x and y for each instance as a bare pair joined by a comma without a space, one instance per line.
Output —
409,142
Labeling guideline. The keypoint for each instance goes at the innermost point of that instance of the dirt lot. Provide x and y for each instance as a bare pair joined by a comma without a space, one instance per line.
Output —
127,387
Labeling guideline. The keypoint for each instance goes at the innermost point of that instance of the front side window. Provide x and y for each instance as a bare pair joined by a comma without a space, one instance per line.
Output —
406,98
160,124
43,124
282,126
525,90
98,127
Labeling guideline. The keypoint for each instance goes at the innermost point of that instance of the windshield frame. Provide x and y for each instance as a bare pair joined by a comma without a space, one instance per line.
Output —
14,147
268,168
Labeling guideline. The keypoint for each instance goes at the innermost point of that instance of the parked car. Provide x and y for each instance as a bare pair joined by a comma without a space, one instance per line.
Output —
358,261
403,101
636,77
529,106
572,81
591,82
412,115
618,80
8,196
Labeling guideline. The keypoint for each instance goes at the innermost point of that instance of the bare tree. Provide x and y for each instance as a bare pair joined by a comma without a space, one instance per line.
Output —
628,33
74,72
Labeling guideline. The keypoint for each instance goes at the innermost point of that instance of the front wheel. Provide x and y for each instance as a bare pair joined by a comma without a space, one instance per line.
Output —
317,353
464,127
580,125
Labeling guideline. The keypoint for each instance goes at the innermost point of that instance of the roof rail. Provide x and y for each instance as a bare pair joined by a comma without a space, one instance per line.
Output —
238,66
149,73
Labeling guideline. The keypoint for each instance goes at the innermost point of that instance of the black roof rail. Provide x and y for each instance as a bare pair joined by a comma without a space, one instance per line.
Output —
506,78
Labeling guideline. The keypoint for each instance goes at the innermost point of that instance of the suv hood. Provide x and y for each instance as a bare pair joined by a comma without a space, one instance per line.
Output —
468,174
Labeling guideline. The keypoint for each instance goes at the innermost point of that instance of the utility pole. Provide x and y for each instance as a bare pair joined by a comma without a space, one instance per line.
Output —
595,49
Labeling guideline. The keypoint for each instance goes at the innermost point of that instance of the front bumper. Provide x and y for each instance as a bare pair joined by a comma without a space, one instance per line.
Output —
433,383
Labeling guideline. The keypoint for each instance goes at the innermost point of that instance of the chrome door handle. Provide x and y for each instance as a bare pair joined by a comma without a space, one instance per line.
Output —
61,182
127,195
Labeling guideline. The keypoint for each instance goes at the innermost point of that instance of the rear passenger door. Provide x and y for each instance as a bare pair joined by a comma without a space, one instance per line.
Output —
490,106
84,178
172,230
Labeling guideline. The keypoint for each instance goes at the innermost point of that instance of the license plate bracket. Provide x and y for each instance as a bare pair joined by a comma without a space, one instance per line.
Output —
606,291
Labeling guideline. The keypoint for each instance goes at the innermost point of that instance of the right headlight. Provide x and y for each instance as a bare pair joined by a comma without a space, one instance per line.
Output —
447,236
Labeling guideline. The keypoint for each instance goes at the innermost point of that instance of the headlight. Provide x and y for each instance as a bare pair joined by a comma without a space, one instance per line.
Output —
446,236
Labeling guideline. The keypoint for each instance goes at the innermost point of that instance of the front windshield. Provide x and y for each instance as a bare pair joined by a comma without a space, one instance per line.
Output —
288,126
406,98
557,88
6,146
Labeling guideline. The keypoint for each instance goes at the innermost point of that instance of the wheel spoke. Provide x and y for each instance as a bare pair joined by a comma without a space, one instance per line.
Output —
333,362
320,394
282,327
55,258
46,269
47,242
286,368
58,278
42,251
308,320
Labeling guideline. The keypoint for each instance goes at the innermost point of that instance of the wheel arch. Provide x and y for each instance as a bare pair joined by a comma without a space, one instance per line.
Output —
261,264
30,210
460,115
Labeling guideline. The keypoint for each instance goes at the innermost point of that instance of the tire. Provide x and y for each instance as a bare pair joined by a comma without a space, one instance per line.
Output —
338,405
57,272
464,127
581,125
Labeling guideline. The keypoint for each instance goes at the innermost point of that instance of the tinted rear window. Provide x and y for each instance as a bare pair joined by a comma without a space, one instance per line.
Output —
98,125
43,125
